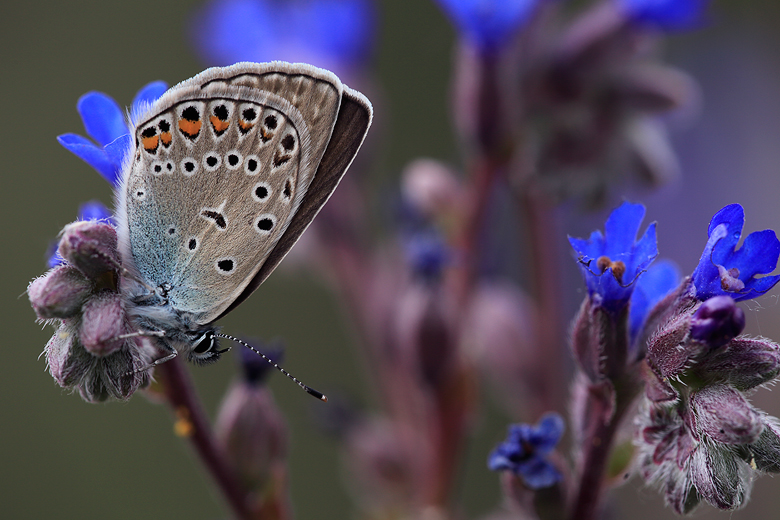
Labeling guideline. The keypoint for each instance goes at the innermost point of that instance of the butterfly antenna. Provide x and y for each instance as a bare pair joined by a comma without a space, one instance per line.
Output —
309,390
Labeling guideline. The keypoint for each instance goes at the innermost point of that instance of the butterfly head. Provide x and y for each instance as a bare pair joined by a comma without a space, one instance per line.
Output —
204,347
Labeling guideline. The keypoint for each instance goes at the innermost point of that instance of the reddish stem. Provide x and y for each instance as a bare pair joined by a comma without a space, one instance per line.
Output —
194,425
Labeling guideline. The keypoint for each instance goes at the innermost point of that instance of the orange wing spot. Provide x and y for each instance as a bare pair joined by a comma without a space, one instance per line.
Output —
150,143
219,125
245,125
166,138
189,128
266,136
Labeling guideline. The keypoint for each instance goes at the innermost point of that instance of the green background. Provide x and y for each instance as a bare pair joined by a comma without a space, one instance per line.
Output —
63,458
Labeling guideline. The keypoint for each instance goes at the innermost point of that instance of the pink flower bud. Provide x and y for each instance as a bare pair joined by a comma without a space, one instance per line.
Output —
59,293
103,323
725,416
253,434
91,246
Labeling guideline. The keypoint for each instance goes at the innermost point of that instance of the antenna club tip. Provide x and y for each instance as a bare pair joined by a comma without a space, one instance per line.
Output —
324,398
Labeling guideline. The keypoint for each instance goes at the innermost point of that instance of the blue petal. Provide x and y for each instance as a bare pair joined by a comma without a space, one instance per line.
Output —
665,14
622,227
547,433
331,33
91,154
489,24
537,473
661,278
116,151
758,255
148,95
618,244
94,210
103,120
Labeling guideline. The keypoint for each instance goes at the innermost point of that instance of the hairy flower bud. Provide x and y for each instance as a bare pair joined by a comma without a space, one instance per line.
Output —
744,363
59,293
91,246
117,375
717,321
724,415
103,324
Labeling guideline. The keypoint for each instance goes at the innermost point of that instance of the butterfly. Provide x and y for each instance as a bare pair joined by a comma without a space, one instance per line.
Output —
225,172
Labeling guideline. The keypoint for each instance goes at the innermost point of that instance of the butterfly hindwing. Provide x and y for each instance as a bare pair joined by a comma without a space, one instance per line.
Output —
222,164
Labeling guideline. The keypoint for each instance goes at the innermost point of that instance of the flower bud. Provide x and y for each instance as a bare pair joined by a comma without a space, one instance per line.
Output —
720,478
91,246
59,293
103,324
253,434
68,361
725,416
117,375
664,350
717,321
745,363
431,188
764,454
249,426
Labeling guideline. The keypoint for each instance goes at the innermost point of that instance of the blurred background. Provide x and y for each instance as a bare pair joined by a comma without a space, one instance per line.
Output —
61,457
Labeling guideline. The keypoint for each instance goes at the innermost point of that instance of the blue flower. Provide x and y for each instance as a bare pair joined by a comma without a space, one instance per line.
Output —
611,263
524,450
333,34
723,270
427,254
489,24
255,368
665,14
105,122
660,279
92,210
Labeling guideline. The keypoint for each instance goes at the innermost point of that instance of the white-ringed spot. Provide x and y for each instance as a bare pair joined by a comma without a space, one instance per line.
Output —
252,164
211,161
265,223
233,160
225,266
189,166
261,191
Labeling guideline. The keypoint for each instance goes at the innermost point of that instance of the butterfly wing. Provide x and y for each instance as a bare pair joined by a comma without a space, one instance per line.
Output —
221,166
350,130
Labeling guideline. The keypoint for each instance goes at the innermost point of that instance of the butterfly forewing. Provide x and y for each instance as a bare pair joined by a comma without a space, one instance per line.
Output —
221,165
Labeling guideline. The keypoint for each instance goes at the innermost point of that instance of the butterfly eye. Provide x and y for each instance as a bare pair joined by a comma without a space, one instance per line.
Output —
204,348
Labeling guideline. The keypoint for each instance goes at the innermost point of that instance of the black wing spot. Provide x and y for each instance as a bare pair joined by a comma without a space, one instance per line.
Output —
149,132
251,165
265,224
270,121
221,112
190,114
225,265
249,114
287,190
288,142
281,159
165,126
214,216
172,230
169,166
261,192
211,161
157,168
193,244
232,159
189,166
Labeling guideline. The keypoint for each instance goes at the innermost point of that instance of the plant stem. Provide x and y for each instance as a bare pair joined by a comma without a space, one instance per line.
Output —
542,232
194,425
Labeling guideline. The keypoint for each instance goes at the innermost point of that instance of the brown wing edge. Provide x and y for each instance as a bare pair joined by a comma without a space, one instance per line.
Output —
350,129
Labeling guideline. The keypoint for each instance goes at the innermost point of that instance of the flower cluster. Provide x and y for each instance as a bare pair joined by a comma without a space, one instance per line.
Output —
94,349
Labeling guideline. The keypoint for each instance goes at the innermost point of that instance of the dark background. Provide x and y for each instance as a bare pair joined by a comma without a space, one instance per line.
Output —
63,458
